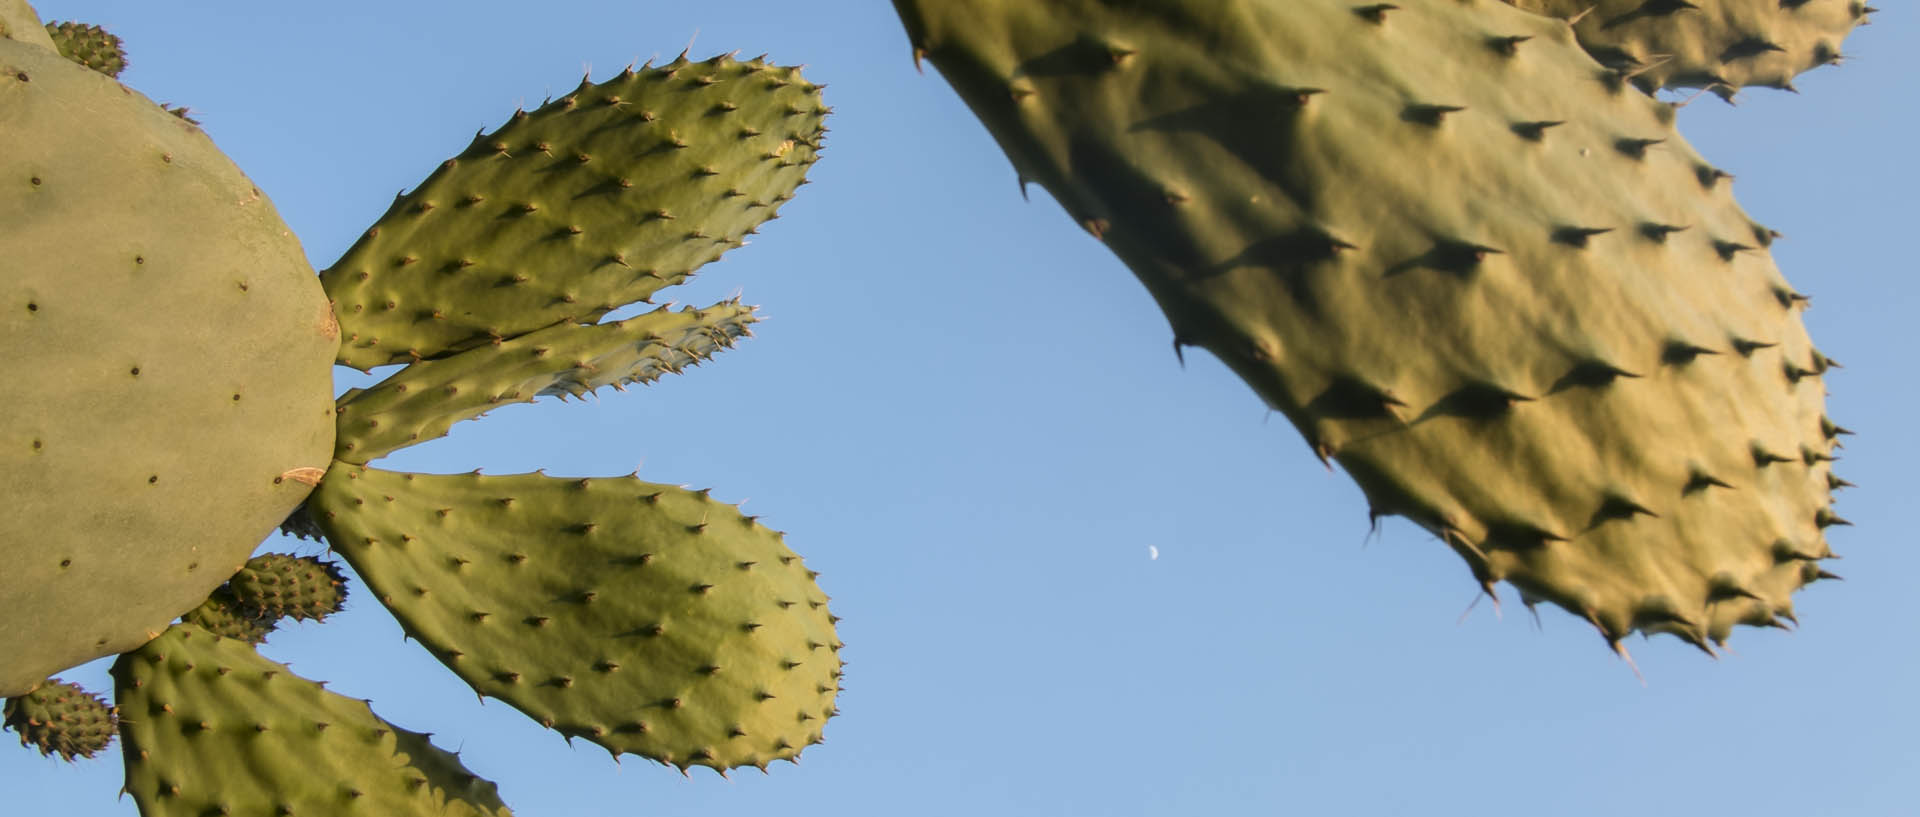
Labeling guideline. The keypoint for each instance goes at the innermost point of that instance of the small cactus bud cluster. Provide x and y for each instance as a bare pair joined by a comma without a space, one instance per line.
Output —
89,45
271,587
61,718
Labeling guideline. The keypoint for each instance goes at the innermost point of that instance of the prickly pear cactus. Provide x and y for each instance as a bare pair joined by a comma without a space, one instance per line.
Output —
488,282
89,45
1480,271
144,456
744,668
473,565
1723,45
61,718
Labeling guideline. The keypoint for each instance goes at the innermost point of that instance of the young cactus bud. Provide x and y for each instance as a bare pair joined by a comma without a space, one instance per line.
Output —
223,616
89,45
269,588
59,717
278,585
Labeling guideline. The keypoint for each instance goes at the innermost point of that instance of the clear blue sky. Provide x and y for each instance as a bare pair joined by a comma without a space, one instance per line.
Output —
967,415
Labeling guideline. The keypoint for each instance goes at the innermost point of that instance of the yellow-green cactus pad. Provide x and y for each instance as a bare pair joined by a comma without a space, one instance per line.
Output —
170,352
1470,264
212,727
646,618
420,402
593,201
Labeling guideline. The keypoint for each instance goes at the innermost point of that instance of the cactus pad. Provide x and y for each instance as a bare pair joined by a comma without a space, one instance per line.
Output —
593,201
61,718
1719,44
645,618
421,401
20,23
144,456
89,45
214,728
1470,264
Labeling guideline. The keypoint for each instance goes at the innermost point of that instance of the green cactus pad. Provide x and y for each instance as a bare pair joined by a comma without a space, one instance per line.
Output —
20,23
211,727
1719,44
1464,259
645,618
592,202
169,353
423,400
89,45
61,718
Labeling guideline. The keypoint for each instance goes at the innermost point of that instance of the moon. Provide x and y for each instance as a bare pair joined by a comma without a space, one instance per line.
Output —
1153,552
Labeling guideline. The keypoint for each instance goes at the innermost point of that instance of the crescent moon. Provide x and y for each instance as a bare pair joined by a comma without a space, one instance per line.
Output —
1153,552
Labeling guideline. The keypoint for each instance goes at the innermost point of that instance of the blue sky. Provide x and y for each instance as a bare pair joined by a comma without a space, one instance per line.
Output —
967,416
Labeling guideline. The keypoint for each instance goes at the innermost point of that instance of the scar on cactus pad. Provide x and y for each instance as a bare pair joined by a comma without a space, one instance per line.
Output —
647,618
1472,265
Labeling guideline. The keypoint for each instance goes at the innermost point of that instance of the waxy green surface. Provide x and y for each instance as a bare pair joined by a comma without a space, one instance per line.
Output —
170,351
